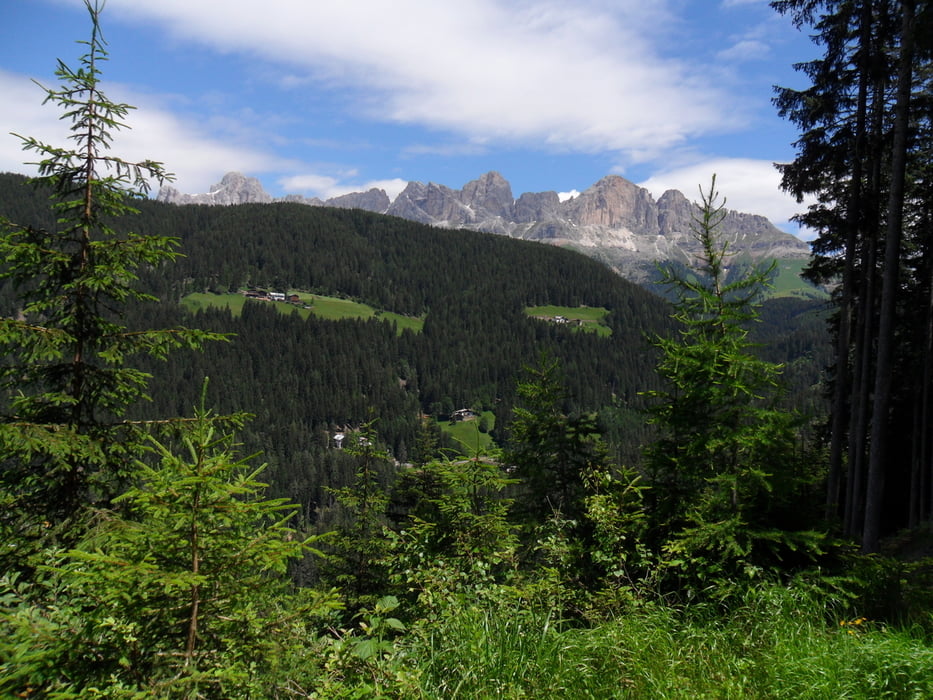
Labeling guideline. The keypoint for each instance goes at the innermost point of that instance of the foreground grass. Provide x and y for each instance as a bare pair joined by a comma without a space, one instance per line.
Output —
776,645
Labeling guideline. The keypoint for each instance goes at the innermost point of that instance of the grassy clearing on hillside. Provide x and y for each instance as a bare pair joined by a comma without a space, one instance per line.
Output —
587,318
467,435
788,282
330,308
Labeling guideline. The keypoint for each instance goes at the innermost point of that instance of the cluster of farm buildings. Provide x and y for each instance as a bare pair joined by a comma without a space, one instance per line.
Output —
263,295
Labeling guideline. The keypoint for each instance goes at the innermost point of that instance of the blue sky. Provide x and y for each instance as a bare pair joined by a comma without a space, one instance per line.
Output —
324,97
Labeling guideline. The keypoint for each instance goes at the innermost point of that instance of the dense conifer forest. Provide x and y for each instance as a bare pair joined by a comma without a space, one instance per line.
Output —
305,380
264,505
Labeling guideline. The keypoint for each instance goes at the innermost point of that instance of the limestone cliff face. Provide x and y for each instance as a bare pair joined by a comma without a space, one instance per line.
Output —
234,188
374,200
491,193
614,220
430,204
536,206
615,203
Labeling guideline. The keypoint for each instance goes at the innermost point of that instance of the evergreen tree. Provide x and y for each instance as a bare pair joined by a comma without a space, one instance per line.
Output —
358,552
863,155
458,540
182,593
66,381
550,448
726,469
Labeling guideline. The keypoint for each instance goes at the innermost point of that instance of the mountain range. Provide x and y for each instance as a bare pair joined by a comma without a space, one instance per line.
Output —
614,220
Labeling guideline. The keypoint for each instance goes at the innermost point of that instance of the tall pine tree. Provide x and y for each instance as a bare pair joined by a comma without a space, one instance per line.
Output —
861,156
67,379
725,472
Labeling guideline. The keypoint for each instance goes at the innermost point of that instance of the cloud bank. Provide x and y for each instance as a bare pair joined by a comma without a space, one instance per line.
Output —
583,76
747,185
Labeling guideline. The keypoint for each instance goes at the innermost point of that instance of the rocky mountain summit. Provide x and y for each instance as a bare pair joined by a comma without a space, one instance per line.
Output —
235,188
614,220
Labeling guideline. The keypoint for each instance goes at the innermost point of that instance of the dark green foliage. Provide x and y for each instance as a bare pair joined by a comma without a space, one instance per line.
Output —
358,550
460,539
551,450
183,593
306,379
133,566
180,580
471,514
863,158
65,382
726,472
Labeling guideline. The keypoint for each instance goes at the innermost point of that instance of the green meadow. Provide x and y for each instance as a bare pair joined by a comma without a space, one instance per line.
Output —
787,282
330,308
592,319
467,435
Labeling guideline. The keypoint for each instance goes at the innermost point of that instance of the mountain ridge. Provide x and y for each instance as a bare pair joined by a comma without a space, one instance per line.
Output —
614,220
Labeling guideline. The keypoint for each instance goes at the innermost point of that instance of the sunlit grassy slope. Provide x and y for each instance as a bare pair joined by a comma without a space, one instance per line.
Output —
591,319
331,308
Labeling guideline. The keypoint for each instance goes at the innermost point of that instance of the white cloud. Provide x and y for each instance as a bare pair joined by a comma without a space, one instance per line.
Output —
748,185
326,186
392,187
310,184
23,114
583,76
745,50
198,157
154,133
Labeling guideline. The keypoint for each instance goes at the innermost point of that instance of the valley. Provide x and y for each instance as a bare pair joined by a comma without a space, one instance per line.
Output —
458,444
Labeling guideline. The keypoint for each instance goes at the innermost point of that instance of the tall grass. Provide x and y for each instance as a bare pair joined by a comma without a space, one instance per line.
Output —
778,644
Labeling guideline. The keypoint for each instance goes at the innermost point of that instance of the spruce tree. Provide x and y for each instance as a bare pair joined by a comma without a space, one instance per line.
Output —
725,468
180,591
68,378
550,448
863,157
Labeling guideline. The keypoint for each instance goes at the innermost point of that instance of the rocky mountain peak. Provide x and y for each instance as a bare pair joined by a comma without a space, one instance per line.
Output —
234,188
491,193
614,220
374,200
615,202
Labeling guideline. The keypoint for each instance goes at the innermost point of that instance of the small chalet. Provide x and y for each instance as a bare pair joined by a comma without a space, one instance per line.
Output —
462,414
340,439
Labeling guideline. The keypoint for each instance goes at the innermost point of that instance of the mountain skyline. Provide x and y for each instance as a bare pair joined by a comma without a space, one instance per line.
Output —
613,220
326,99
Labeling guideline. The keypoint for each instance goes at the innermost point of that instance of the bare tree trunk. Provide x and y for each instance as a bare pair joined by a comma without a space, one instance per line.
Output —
874,496
923,488
841,406
858,430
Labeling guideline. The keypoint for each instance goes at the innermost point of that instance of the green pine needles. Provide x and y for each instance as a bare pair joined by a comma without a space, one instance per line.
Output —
140,559
67,383
726,472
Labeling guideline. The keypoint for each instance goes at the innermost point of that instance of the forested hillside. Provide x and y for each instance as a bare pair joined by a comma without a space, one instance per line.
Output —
144,555
305,380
